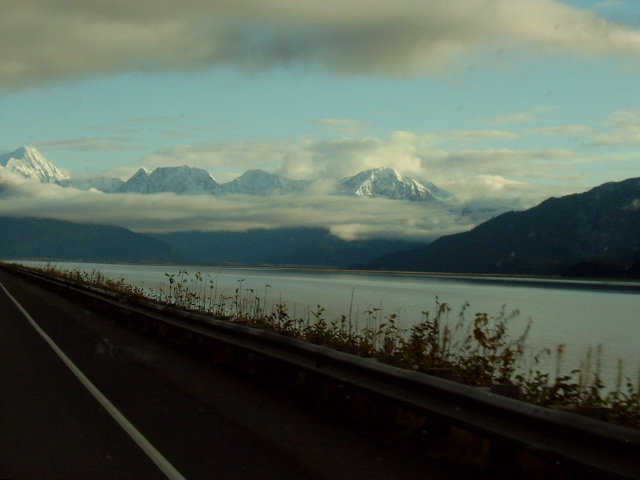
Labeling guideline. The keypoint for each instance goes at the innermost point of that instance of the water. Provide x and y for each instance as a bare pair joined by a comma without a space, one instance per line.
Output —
578,314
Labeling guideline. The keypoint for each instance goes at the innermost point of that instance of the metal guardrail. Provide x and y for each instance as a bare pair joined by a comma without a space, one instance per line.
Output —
588,446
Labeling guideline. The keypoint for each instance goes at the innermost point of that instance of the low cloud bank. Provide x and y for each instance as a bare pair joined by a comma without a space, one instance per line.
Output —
347,217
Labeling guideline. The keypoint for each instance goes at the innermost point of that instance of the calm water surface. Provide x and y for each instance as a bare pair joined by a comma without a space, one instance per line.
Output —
577,314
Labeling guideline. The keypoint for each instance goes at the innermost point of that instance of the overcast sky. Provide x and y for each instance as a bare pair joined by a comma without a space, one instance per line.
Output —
514,100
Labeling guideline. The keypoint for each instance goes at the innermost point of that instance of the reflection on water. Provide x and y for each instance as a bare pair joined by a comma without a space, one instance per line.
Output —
577,313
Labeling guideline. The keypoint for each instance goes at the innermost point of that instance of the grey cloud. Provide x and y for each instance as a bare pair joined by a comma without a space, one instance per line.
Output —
43,40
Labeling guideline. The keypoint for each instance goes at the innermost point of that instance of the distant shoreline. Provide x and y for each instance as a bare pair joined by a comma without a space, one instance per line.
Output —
550,281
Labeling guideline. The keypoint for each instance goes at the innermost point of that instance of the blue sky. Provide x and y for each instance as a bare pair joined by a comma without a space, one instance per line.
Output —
518,99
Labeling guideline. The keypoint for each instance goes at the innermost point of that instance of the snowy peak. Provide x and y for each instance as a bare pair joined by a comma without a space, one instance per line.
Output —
180,180
259,182
385,183
29,163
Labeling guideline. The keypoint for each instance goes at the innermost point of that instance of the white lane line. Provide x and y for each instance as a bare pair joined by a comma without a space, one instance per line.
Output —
157,458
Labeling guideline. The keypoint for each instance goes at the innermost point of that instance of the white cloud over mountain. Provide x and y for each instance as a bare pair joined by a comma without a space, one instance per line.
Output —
429,157
230,207
378,203
347,217
43,40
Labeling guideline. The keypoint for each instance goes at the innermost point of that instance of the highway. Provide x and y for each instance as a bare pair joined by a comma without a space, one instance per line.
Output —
82,397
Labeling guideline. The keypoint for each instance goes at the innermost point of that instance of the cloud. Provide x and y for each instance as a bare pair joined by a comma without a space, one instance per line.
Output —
623,129
530,166
43,40
427,158
486,181
472,136
340,158
447,159
633,205
407,152
347,217
499,186
520,117
225,160
562,131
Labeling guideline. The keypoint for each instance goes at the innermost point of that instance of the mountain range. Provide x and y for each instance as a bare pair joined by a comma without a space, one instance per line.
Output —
301,246
185,180
48,239
181,180
589,234
56,240
592,234
596,233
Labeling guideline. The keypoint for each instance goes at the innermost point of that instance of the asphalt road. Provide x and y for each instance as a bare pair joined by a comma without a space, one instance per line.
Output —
82,397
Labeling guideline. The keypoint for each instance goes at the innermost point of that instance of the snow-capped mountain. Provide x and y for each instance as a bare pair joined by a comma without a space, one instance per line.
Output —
379,182
259,182
28,162
387,183
181,180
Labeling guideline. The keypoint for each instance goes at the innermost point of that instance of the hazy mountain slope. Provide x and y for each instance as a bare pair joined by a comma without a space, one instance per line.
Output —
284,246
603,223
259,182
39,238
181,180
101,183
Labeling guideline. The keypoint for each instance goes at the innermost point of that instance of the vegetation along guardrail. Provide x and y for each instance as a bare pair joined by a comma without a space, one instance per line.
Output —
439,418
